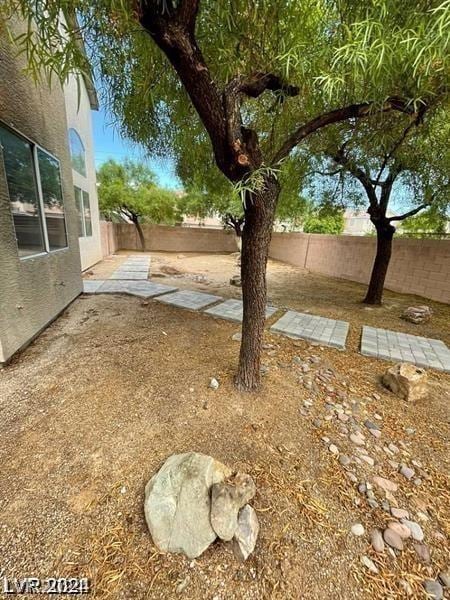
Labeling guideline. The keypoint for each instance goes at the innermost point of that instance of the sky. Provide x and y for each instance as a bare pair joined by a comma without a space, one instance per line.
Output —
108,143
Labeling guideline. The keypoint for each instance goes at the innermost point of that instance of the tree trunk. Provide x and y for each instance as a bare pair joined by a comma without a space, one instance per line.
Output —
140,234
385,233
257,233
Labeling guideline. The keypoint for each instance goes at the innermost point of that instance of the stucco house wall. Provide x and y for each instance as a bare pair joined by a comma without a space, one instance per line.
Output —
78,110
33,290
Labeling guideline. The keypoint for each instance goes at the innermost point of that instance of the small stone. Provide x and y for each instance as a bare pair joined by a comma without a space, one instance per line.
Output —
371,425
406,587
410,431
394,464
357,439
317,423
399,513
422,552
376,539
357,529
444,578
407,472
378,417
400,529
433,589
352,477
415,528
393,448
376,433
372,503
246,534
343,417
362,489
385,484
344,460
325,439
376,396
213,383
333,449
367,562
237,337
386,506
368,459
392,539
417,481
227,498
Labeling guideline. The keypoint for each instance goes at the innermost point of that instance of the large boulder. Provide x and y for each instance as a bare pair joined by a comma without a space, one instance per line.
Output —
177,503
227,498
417,314
407,381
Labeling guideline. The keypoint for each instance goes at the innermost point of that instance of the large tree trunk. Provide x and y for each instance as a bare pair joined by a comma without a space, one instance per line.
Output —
257,233
140,234
385,233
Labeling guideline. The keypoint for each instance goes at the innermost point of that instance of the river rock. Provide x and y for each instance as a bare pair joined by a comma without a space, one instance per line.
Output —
422,552
415,528
433,589
177,503
407,381
403,531
399,513
392,538
227,498
246,534
376,539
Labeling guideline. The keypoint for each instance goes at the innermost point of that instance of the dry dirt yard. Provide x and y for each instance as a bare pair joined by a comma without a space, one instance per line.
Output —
113,387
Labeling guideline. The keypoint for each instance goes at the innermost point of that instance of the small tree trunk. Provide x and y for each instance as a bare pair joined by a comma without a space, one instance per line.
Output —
257,233
385,233
140,234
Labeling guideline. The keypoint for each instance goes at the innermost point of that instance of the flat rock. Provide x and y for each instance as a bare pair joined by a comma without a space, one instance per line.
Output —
333,449
403,531
422,552
407,472
213,383
444,578
392,539
385,484
407,381
415,528
177,503
246,534
376,539
357,439
227,498
433,589
237,337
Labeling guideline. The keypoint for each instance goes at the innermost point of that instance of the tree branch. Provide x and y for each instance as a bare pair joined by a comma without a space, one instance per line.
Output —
187,13
257,83
353,111
411,213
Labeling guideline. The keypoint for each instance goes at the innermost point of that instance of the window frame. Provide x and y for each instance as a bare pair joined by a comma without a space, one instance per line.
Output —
40,197
82,215
70,129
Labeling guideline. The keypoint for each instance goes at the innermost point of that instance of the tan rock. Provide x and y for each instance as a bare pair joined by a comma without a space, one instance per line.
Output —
407,381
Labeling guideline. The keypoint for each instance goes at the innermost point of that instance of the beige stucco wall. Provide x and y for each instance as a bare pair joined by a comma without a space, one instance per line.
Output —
176,239
35,290
78,111
419,267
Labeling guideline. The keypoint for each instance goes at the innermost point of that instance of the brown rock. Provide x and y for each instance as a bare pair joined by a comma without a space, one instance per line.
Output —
417,314
392,539
403,531
407,381
385,484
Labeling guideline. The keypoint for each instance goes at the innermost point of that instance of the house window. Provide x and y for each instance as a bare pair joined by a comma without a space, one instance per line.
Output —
77,153
34,186
84,213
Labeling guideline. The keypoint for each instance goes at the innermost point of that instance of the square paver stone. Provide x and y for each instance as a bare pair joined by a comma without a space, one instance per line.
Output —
404,347
133,268
312,328
189,299
148,289
131,275
113,287
232,310
90,286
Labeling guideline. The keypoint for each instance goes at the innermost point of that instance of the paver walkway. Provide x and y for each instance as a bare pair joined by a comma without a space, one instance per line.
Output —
396,346
232,310
189,299
328,332
131,278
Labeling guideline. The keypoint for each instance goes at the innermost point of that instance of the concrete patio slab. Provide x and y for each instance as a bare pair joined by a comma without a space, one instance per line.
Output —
404,347
327,332
132,268
130,275
90,286
189,299
113,287
148,289
232,310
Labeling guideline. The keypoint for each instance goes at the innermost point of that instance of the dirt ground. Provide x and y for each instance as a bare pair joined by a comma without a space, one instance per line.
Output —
113,387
